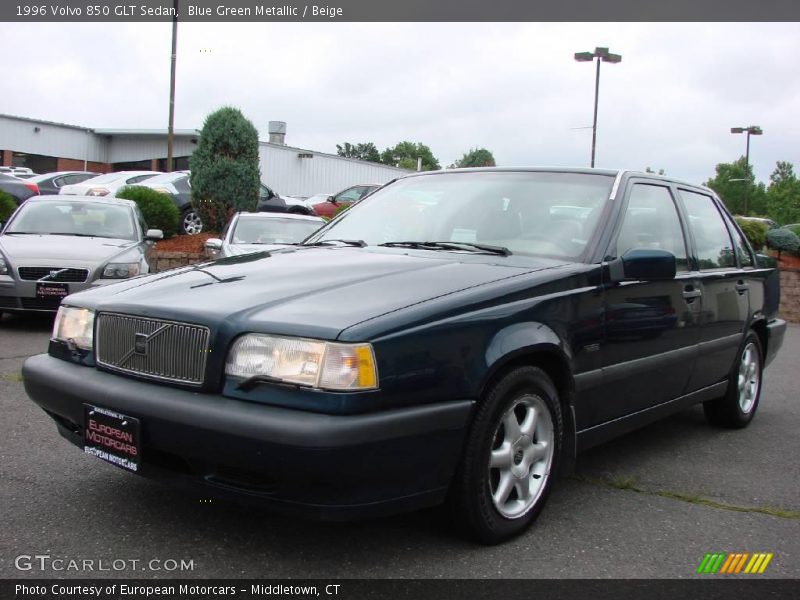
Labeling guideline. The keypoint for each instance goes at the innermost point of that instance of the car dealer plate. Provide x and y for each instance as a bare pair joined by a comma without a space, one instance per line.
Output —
51,290
113,437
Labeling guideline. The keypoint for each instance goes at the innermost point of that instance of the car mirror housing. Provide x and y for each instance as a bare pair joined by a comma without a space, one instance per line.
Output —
154,234
331,199
213,244
643,264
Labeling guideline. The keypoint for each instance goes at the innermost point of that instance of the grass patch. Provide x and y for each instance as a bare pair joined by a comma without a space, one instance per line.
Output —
630,485
11,377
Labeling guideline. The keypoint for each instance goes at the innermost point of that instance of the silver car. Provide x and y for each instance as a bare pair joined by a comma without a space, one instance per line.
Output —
55,245
255,232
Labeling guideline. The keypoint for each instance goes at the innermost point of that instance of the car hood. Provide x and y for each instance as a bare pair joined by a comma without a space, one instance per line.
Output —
60,250
313,292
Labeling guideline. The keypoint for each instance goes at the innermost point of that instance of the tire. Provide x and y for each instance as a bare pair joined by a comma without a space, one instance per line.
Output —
506,473
191,223
739,404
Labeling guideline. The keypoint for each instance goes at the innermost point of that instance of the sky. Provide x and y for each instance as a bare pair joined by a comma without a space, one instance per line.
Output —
513,88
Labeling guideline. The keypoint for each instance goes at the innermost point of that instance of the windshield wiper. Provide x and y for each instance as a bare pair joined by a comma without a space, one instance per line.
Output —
466,246
359,243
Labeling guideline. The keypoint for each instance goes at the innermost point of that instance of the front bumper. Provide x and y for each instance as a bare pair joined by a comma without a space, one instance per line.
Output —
18,295
326,466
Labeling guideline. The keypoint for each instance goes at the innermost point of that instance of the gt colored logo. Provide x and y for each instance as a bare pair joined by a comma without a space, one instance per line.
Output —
734,562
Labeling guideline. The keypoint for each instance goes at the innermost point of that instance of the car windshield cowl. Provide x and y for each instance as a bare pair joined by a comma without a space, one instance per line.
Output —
452,246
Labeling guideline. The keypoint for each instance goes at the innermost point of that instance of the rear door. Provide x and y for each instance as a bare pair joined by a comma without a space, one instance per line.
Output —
651,331
725,301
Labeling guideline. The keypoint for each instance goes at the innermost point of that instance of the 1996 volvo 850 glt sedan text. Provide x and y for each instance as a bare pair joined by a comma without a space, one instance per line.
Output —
454,336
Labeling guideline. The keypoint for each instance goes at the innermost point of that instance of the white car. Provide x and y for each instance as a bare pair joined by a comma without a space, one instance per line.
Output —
108,184
263,231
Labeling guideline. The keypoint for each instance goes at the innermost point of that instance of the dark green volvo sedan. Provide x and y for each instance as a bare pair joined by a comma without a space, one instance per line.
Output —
455,336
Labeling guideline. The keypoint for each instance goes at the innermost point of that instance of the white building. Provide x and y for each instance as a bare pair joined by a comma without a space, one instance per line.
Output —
45,146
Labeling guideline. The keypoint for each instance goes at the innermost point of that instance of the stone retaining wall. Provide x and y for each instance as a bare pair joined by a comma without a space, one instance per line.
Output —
790,295
162,261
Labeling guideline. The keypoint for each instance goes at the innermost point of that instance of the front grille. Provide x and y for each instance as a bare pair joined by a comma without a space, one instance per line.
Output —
41,303
152,348
65,276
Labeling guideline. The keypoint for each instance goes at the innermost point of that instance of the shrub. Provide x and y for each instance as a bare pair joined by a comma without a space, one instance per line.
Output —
754,231
340,209
158,209
225,173
793,228
783,240
7,206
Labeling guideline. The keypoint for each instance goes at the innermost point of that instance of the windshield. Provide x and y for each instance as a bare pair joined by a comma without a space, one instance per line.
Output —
75,218
529,213
262,230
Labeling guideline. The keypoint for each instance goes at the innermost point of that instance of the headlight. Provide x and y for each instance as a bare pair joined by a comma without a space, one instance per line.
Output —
313,363
3,267
120,270
75,325
97,192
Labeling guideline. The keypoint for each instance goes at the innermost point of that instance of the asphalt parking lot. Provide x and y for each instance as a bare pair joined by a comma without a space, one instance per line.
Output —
648,505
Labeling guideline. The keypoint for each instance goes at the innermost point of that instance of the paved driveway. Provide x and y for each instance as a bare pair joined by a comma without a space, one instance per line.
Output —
650,504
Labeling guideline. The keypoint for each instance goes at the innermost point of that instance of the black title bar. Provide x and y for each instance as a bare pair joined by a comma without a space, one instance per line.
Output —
399,10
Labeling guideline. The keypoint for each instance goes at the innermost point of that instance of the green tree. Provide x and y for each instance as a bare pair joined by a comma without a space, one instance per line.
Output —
225,173
476,157
783,194
405,154
7,206
735,184
158,209
754,231
362,151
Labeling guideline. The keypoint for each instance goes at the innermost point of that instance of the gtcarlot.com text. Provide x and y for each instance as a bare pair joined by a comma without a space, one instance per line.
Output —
46,562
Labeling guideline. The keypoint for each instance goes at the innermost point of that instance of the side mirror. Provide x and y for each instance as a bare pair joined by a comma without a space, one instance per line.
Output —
154,234
332,200
214,244
644,264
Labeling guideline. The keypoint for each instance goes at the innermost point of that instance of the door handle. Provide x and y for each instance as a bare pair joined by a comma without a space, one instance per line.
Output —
742,287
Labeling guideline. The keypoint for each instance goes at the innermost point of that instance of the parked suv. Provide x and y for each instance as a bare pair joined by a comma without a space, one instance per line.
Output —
454,336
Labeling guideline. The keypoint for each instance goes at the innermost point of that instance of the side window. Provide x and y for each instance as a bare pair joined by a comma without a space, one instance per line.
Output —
742,248
60,181
651,221
711,238
138,178
350,195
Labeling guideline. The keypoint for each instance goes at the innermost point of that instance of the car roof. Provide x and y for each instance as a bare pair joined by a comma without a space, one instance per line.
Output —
618,173
60,173
71,198
273,215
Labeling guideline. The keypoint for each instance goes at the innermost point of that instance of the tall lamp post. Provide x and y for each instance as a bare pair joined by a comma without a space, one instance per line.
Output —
600,55
171,128
752,130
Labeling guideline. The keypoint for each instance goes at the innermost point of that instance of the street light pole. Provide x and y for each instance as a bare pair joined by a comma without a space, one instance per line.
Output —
600,55
171,129
752,130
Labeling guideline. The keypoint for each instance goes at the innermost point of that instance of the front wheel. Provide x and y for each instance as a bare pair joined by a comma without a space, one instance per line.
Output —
510,457
191,223
738,406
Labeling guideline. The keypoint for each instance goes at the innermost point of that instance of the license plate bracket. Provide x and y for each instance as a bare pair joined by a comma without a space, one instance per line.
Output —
49,290
112,437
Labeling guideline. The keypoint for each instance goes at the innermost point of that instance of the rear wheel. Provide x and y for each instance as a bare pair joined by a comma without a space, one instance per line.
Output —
510,457
738,406
191,223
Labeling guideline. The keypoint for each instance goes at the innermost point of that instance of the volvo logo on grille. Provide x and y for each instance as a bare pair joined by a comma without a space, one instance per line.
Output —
140,344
